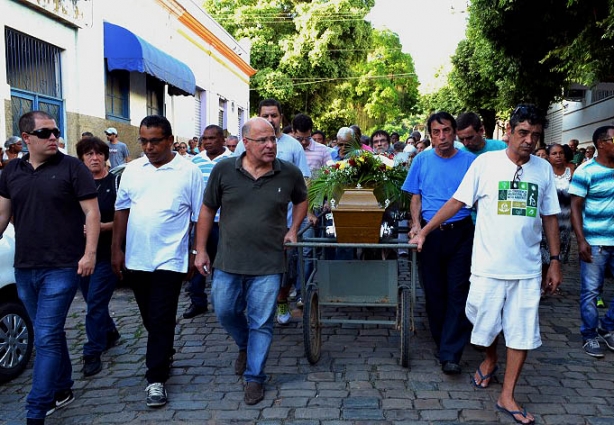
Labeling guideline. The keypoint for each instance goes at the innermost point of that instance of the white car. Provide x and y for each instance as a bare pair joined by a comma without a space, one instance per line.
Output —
16,332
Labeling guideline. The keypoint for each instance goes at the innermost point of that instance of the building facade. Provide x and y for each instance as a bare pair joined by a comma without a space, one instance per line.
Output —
94,64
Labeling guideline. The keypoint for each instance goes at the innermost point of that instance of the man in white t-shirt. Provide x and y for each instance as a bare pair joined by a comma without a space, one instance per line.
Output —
512,190
158,200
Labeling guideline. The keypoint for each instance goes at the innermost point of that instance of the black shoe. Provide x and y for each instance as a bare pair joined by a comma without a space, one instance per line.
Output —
112,338
32,421
194,310
61,399
91,365
451,368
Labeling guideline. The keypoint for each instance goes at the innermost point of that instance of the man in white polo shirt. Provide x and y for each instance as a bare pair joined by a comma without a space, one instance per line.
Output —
159,197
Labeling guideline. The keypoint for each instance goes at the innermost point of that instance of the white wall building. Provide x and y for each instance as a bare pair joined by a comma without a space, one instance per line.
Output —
95,64
578,116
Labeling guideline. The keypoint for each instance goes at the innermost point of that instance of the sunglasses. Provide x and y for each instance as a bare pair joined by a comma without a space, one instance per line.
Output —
44,133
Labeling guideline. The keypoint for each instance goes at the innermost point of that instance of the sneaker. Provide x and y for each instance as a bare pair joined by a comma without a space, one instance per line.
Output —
600,303
592,348
91,365
283,313
194,310
292,294
254,393
607,337
299,302
62,399
156,394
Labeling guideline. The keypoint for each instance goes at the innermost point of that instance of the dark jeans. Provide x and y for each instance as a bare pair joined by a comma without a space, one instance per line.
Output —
196,288
157,295
445,267
47,295
97,291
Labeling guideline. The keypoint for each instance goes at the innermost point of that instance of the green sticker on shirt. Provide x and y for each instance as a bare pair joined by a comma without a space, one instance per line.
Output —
517,198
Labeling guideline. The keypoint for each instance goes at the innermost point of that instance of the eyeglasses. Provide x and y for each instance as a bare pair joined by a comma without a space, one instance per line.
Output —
44,133
609,140
518,174
263,140
303,139
154,141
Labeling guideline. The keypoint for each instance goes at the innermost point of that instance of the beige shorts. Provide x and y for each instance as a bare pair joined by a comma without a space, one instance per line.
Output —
511,306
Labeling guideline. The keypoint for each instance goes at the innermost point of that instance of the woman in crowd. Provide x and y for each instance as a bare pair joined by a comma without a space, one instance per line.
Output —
13,147
541,152
560,159
98,288
183,151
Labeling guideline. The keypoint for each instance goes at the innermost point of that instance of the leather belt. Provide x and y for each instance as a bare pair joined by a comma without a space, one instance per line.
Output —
454,224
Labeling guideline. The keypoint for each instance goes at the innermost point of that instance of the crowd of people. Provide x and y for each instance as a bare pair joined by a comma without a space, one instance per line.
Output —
491,219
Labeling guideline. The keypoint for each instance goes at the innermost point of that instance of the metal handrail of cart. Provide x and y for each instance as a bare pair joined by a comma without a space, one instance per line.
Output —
356,283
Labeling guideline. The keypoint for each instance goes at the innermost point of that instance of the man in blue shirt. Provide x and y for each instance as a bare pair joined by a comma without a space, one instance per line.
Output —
470,132
445,260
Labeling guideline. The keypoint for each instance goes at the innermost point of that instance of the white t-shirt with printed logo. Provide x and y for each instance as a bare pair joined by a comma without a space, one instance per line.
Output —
508,226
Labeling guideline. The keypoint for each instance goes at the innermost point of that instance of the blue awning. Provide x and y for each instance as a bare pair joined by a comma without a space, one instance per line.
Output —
125,50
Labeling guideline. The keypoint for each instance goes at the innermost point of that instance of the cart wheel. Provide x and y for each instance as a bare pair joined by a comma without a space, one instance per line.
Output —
405,326
312,331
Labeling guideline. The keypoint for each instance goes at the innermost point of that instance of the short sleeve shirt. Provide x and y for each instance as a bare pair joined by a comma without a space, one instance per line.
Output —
253,215
595,183
48,217
162,202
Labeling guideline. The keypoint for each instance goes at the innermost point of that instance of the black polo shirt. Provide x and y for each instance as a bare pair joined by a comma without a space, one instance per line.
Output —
47,215
253,214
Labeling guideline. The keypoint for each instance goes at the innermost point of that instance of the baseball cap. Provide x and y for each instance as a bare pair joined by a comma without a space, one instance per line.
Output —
111,130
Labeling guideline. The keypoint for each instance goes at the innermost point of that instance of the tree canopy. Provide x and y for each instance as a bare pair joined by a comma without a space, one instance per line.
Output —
322,58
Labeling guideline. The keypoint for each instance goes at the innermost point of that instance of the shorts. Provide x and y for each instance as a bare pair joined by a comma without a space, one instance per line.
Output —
511,306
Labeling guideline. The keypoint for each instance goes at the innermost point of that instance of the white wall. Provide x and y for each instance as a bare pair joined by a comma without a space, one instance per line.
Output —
83,73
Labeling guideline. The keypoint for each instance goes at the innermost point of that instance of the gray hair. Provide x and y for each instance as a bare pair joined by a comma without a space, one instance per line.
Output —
346,133
12,140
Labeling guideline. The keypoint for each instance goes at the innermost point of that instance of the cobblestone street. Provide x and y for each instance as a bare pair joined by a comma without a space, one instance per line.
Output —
358,379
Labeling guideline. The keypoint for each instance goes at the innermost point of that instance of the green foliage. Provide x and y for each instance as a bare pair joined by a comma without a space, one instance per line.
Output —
530,51
322,58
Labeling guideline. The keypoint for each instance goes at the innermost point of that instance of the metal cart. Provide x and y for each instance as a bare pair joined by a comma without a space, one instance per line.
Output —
352,283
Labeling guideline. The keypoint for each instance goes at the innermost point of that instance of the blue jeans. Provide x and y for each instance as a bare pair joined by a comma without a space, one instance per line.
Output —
47,295
245,307
97,291
591,275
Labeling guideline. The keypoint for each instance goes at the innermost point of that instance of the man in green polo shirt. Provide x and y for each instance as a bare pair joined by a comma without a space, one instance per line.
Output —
253,192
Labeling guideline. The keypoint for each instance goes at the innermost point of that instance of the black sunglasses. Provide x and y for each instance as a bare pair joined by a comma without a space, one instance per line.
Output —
44,133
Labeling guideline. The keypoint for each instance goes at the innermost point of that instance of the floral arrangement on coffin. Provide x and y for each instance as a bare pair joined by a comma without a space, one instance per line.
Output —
360,169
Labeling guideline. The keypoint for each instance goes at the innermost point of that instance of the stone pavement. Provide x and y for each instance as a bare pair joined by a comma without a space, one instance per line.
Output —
358,380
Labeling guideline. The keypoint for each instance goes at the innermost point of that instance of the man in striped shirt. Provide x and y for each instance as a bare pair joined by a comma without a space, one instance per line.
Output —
213,152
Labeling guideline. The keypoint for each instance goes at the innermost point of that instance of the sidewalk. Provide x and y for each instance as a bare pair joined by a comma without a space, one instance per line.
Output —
358,379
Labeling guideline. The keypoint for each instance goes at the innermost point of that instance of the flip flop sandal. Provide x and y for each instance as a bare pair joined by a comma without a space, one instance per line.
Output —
483,378
513,414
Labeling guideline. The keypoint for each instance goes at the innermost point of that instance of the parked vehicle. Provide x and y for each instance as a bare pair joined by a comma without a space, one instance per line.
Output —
16,332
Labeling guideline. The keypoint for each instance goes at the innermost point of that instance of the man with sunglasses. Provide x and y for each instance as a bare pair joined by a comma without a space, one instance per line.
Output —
253,192
158,199
512,189
51,197
470,132
592,203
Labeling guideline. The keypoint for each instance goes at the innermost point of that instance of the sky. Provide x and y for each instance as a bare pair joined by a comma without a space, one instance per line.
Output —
429,31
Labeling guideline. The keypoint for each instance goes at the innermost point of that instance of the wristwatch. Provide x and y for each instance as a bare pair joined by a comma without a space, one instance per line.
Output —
194,252
555,257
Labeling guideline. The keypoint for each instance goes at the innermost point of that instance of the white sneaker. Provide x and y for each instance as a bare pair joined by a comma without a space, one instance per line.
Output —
283,313
156,394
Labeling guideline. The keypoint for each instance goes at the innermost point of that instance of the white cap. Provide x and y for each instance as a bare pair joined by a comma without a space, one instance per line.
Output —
111,130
